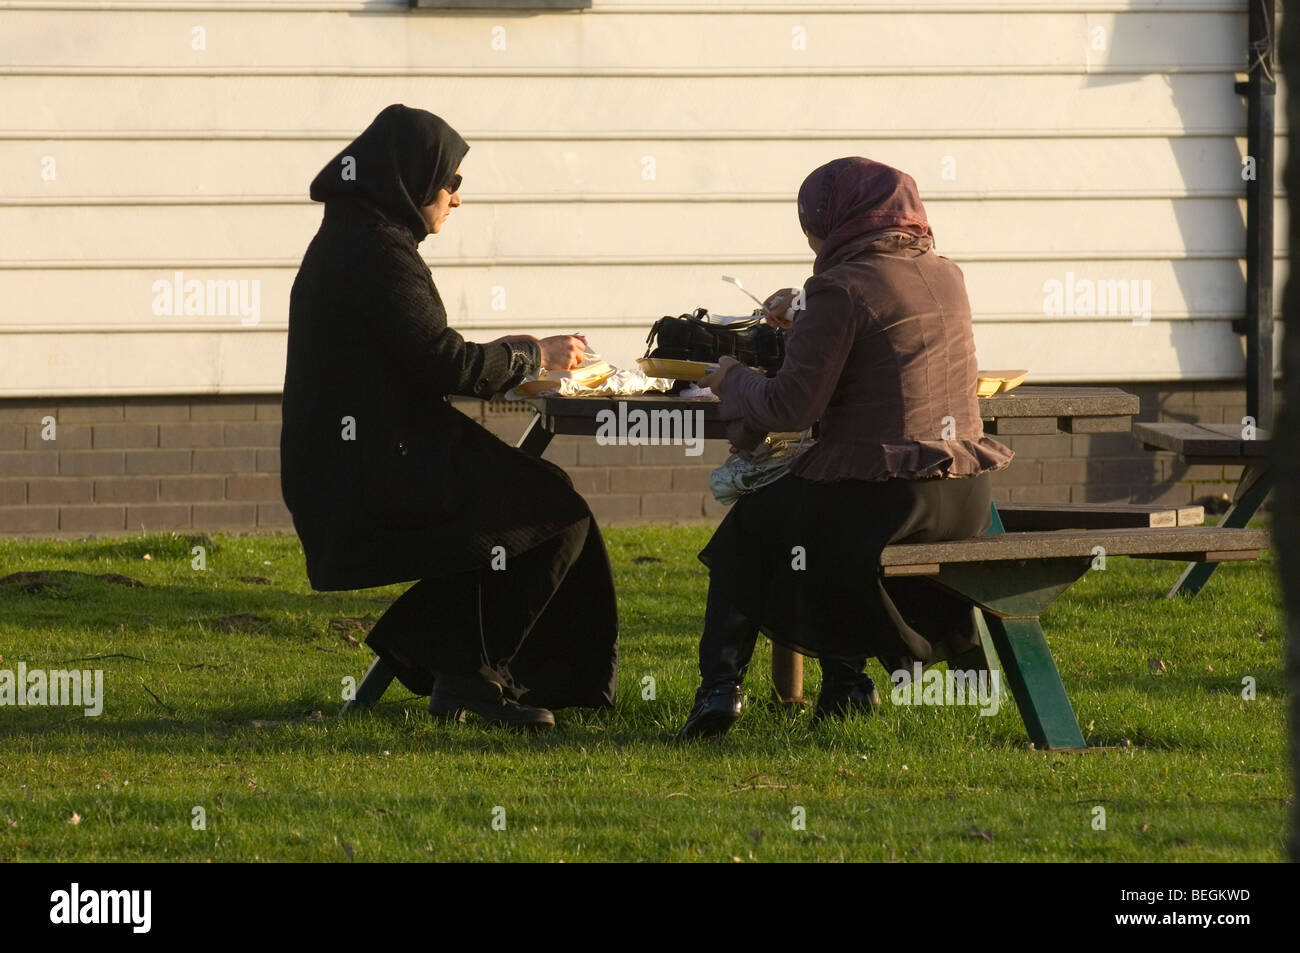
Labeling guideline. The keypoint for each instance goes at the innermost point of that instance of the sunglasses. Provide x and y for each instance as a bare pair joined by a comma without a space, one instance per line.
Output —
453,186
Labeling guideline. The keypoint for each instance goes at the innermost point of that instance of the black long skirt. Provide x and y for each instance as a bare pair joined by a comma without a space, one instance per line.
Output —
544,627
802,561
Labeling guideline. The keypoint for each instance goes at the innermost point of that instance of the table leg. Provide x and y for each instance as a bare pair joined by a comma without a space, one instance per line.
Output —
1035,683
787,674
536,438
1254,486
376,681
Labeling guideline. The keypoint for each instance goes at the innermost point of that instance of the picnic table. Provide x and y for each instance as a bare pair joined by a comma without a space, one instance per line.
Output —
1215,444
1028,409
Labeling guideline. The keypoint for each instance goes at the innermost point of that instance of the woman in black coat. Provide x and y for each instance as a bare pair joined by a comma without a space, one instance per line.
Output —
513,612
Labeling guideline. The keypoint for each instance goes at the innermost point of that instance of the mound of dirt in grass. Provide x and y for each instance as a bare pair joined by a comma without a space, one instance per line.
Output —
56,580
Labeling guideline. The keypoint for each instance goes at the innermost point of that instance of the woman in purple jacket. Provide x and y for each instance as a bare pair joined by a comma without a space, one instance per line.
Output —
882,353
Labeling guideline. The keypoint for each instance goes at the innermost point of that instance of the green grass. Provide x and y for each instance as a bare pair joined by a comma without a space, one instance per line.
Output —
223,717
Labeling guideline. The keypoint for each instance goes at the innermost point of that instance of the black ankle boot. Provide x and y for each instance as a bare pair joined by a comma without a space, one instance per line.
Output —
846,689
725,651
453,695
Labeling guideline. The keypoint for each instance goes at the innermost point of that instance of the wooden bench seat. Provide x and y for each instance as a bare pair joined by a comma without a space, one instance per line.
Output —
1011,579
1028,517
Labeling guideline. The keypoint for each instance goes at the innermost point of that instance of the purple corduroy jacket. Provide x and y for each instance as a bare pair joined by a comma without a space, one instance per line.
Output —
884,356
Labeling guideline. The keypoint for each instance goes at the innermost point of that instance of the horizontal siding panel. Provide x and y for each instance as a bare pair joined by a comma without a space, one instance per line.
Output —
1046,106
1145,41
550,297
253,362
633,230
577,168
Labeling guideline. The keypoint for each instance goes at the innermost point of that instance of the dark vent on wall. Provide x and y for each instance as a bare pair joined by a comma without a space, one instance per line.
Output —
501,4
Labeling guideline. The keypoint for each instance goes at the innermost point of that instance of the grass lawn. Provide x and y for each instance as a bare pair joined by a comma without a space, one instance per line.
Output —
236,716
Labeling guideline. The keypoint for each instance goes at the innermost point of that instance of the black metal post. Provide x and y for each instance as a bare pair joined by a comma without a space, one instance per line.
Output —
1261,92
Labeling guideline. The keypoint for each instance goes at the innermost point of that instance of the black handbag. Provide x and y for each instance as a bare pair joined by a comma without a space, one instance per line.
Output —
692,337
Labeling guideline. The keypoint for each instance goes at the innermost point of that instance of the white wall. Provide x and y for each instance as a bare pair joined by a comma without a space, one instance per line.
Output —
1114,164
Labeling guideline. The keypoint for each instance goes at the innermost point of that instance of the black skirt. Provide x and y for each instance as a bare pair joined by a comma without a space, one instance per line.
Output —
544,625
802,561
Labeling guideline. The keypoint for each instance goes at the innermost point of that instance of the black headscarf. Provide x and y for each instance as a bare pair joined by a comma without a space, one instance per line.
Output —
400,162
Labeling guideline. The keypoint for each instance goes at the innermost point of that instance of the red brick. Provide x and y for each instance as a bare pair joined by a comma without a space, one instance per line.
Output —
589,480
13,492
1103,445
221,408
268,408
562,451
126,490
66,437
156,409
1101,493
59,491
1065,472
25,411
713,508
1209,394
672,455
190,435
204,489
611,510
1176,493
248,487
690,479
91,462
91,519
89,411
252,435
1200,471
28,462
1022,471
150,517
224,515
1040,494
29,519
273,514
225,461
158,461
672,505
268,460
591,453
715,453
1138,472
1044,445
641,480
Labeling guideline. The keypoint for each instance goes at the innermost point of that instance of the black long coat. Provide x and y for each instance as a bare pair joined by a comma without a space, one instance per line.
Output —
385,480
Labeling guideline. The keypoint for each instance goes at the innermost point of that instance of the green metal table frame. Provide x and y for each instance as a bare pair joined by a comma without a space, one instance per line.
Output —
1012,640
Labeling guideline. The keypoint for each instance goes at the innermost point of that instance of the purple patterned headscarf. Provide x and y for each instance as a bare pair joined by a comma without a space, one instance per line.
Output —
852,204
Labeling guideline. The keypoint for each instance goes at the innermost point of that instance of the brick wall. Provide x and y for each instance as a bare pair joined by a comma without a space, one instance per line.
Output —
132,464
140,464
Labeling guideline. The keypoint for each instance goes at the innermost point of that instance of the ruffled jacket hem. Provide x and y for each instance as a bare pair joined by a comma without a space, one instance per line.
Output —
829,461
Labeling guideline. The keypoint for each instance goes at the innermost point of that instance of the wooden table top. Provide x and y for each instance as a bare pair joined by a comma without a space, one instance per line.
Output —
1029,409
1194,441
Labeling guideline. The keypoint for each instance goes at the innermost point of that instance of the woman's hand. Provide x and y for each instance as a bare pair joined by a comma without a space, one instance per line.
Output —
713,381
563,352
778,307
